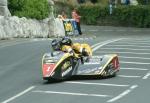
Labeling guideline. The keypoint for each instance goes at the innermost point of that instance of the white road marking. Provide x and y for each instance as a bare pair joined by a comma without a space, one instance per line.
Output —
133,57
108,30
93,30
123,52
125,49
98,45
128,46
13,43
123,94
120,30
83,38
105,43
124,62
18,95
146,76
102,84
133,69
128,76
70,93
138,40
137,43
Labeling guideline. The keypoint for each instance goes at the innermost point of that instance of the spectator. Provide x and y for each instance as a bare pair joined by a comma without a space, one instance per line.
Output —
64,16
77,17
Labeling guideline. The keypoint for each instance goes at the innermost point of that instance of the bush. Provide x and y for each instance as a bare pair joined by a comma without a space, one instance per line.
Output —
143,2
132,15
89,13
38,9
138,16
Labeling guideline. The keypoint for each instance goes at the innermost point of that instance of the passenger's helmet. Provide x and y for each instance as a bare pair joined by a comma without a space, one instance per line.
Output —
66,41
55,45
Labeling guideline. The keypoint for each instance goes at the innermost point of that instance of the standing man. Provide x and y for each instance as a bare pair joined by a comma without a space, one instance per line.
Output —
77,17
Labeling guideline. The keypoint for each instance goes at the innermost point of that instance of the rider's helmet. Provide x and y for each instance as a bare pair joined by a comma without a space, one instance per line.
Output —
66,41
55,45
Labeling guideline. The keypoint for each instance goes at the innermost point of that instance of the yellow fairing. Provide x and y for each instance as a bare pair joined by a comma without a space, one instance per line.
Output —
62,59
77,47
66,48
88,48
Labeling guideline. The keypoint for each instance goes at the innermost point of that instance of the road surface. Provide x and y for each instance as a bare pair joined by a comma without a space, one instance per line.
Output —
21,76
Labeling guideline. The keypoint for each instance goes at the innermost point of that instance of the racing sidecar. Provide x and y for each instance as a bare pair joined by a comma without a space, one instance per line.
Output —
60,65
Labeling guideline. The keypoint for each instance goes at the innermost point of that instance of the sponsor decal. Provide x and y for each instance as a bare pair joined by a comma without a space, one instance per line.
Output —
67,71
115,63
66,65
95,70
48,69
68,26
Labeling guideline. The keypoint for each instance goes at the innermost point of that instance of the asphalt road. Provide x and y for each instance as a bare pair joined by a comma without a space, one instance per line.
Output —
21,76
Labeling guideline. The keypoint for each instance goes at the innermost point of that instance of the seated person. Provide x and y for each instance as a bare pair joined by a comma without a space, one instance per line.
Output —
83,49
66,45
56,45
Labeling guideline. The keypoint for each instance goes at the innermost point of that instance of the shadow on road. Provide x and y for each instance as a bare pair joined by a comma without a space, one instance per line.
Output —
76,78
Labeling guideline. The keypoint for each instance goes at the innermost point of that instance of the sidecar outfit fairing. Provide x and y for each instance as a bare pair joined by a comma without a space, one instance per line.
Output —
60,65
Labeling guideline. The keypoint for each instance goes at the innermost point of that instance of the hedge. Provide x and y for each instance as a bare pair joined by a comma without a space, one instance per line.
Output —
138,16
38,9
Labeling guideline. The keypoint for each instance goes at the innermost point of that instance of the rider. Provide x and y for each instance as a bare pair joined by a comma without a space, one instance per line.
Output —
67,45
56,45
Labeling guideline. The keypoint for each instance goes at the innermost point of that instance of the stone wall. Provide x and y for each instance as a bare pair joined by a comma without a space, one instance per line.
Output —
12,26
21,27
4,9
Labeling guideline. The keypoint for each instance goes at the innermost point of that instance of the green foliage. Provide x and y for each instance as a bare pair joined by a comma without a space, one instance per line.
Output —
38,9
132,15
89,13
138,16
144,2
63,6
